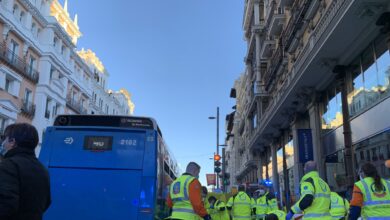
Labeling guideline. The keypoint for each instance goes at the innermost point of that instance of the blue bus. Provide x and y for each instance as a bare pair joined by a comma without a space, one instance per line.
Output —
107,167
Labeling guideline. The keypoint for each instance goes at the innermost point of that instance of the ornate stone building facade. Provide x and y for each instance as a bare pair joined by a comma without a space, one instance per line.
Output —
41,72
316,86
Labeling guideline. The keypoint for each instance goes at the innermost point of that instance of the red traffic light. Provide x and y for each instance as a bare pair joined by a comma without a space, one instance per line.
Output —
217,157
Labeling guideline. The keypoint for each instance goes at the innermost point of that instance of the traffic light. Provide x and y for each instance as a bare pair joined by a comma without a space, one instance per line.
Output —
226,179
217,164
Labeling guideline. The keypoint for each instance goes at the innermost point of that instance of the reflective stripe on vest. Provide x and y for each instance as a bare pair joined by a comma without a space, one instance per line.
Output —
246,217
315,215
321,195
183,210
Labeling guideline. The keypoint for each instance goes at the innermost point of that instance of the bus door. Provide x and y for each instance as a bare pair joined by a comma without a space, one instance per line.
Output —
98,173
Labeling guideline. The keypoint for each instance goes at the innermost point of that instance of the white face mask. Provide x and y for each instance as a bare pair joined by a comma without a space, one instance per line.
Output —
261,192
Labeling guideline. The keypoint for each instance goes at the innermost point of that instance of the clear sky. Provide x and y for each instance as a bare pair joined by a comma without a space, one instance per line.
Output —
178,59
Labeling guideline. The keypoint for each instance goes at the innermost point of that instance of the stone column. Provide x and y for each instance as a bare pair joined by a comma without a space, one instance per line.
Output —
275,174
6,30
315,125
260,170
349,152
298,168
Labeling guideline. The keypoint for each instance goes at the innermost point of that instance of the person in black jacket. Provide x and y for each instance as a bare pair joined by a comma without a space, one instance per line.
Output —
24,181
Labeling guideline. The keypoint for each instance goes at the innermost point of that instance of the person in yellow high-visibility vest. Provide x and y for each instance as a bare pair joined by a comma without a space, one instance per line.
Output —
276,215
218,210
185,196
261,205
371,195
315,196
338,207
240,205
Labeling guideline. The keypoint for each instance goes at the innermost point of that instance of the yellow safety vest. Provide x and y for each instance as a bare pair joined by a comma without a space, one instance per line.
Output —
376,204
179,192
281,215
338,206
261,206
312,184
241,206
217,214
272,205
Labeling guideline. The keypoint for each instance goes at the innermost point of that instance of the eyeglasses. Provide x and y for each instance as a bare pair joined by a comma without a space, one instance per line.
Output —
2,138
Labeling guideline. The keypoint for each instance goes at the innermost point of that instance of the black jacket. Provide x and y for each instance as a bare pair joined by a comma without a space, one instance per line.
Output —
24,186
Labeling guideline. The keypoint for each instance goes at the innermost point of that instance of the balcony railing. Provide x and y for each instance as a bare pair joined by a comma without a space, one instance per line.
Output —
76,106
270,15
276,62
295,23
11,59
28,108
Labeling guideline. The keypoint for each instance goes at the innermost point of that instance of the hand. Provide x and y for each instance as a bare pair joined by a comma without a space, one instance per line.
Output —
207,217
289,215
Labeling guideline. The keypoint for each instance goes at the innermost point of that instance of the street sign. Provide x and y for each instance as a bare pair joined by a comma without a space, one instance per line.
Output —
211,179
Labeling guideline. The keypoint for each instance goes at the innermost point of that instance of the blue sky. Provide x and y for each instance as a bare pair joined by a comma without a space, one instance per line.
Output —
178,59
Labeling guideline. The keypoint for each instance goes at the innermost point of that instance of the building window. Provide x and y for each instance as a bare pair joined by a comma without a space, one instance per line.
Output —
14,47
34,28
375,150
31,65
332,115
370,79
106,109
21,17
47,111
15,9
63,50
7,85
27,96
52,70
55,42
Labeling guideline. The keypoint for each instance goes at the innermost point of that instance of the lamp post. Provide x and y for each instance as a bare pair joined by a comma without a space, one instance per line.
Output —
211,118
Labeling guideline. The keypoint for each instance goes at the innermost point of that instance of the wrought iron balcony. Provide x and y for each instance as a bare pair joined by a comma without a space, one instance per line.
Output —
9,58
28,108
76,106
295,23
275,64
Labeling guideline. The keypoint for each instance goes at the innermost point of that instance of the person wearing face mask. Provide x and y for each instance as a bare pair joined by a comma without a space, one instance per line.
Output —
261,204
315,196
370,196
24,181
185,196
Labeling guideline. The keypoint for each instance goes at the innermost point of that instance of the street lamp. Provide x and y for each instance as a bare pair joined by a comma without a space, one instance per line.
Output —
212,118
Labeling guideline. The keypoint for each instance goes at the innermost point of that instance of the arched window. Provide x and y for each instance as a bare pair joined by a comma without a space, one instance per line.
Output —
15,9
34,28
22,15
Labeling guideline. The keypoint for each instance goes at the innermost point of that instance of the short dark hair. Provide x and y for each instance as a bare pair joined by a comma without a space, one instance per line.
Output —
241,188
25,135
212,198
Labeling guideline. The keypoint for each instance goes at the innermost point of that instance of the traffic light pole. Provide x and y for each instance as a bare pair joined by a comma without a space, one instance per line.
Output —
223,170
218,142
